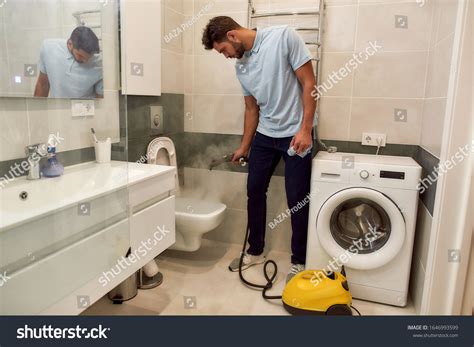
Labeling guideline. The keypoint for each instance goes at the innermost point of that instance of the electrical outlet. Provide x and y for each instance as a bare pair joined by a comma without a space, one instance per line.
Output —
370,139
156,118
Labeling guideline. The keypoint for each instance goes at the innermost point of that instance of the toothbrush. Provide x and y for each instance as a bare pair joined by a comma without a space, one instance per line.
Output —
93,134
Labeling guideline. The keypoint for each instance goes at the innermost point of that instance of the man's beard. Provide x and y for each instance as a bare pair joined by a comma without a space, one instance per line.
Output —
239,49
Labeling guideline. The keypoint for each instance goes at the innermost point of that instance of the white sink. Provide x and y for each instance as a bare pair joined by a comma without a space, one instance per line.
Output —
45,237
79,183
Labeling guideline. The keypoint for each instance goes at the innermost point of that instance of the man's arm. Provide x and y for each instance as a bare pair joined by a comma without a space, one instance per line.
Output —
42,85
250,127
303,139
99,89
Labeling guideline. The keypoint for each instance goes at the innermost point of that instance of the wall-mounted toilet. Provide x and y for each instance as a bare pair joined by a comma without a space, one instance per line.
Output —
194,217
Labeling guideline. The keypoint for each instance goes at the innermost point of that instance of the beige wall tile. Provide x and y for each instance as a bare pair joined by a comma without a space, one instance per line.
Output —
213,74
339,28
176,5
439,68
377,23
220,7
340,2
433,121
377,116
334,118
331,64
172,30
447,18
188,37
14,128
188,7
394,74
221,114
188,86
172,79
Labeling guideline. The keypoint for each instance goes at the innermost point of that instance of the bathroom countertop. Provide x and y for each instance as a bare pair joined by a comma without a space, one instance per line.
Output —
79,183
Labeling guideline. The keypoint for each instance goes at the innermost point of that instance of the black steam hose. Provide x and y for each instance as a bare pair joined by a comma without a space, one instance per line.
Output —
269,278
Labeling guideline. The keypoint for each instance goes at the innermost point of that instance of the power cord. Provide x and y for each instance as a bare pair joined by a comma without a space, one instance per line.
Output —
379,144
356,310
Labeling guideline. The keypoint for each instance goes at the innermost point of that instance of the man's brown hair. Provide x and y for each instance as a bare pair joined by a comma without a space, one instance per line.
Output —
216,30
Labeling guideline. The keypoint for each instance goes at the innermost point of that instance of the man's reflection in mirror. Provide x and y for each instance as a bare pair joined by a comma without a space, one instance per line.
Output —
71,68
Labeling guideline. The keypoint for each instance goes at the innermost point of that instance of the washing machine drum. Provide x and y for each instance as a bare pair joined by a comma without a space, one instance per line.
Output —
361,227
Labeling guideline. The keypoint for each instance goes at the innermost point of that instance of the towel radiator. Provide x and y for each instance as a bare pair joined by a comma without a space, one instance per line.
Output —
317,29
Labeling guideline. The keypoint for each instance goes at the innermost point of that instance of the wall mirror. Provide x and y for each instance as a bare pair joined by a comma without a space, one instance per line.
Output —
51,49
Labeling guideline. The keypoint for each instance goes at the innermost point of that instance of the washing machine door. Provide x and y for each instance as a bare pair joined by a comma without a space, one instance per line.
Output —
362,228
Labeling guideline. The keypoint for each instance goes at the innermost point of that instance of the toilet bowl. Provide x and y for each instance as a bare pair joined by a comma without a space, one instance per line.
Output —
194,216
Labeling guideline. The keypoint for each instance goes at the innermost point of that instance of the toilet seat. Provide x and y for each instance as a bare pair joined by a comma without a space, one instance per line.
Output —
153,151
156,156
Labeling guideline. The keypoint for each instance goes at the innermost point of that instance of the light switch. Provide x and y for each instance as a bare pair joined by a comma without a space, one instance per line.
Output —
83,108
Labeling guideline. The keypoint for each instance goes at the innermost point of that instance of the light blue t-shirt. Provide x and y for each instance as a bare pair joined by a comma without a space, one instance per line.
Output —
68,78
267,72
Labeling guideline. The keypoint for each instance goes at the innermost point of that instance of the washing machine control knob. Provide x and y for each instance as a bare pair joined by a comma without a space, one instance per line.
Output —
364,174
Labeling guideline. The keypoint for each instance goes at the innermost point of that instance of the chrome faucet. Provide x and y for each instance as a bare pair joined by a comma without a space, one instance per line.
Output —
34,154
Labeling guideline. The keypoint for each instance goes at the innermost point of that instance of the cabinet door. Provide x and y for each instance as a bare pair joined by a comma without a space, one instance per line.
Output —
152,230
141,47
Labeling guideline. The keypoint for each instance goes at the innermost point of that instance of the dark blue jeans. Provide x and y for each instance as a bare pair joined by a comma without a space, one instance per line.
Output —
265,153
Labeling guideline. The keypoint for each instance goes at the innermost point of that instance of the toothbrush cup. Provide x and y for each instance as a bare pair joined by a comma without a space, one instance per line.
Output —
103,151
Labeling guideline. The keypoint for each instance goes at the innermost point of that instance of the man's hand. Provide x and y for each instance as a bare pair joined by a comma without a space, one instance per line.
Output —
240,153
302,141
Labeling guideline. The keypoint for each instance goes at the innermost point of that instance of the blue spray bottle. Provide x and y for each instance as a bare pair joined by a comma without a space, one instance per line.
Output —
53,167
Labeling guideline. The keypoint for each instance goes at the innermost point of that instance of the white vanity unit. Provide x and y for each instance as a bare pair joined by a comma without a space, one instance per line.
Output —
62,239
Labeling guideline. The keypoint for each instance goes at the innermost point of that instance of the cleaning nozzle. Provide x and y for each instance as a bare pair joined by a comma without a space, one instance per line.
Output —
227,158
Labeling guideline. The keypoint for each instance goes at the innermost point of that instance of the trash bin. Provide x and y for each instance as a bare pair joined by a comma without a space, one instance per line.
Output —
126,290
145,282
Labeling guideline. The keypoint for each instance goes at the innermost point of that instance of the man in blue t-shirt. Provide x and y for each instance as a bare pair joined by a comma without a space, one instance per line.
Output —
71,68
275,70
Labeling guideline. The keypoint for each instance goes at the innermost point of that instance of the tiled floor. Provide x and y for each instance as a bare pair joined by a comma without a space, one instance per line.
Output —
202,277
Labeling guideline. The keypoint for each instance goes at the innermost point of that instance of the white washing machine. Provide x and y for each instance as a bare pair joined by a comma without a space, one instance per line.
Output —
362,215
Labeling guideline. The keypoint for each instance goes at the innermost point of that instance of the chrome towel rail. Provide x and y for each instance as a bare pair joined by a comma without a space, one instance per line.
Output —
281,14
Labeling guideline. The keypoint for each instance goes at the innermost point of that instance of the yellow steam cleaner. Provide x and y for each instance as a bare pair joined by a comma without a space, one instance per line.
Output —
310,292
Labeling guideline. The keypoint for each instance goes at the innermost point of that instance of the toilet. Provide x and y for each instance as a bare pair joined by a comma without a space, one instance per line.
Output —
194,217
